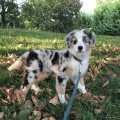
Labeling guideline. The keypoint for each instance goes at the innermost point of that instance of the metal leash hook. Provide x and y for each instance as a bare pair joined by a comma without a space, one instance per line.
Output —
66,115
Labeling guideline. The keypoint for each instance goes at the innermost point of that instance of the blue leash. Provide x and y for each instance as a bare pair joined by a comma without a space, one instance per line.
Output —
72,98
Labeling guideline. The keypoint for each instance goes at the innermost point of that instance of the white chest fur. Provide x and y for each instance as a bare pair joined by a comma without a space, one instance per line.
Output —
77,66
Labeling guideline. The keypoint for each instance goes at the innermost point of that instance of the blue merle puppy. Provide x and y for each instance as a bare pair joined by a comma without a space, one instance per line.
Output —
64,63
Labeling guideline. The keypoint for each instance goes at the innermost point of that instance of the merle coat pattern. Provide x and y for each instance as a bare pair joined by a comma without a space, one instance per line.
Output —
64,63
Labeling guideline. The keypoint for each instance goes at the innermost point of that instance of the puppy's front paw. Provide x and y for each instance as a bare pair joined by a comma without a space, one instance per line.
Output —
82,89
62,99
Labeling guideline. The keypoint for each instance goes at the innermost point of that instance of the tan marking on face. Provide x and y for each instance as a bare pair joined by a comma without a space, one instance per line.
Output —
69,71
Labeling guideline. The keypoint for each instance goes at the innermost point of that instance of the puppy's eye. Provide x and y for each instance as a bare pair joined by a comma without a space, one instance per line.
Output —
75,41
84,39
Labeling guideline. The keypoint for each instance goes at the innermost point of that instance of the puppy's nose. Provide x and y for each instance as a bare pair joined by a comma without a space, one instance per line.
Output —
80,48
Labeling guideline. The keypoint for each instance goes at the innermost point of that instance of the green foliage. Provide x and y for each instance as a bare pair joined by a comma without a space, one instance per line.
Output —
10,14
106,19
83,21
51,15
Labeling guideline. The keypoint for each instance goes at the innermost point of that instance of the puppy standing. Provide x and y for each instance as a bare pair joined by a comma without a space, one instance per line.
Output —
64,63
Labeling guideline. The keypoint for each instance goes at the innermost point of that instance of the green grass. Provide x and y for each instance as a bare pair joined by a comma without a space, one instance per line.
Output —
17,41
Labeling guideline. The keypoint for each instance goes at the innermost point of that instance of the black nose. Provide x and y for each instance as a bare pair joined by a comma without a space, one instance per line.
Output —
80,48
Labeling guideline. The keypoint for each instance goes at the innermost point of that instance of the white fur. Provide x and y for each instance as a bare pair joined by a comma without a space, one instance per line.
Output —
62,99
82,88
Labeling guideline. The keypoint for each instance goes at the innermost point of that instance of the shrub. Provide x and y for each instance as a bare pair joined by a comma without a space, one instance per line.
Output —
83,21
106,19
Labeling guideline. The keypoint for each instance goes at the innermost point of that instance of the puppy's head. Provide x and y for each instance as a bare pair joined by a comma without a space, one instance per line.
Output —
80,40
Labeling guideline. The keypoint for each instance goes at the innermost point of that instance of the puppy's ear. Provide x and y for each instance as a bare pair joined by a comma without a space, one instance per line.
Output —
67,40
90,35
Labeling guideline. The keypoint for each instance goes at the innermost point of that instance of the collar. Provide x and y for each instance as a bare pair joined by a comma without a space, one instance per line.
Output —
77,59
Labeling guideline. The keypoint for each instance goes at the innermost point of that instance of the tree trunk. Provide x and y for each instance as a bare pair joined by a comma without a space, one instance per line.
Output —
3,13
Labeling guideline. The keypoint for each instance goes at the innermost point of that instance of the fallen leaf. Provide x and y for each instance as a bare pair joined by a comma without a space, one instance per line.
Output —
14,114
11,96
101,64
102,98
94,69
106,83
19,95
35,101
114,75
45,118
37,115
97,111
88,95
30,118
54,101
44,115
118,90
2,115
74,113
11,58
52,118
41,105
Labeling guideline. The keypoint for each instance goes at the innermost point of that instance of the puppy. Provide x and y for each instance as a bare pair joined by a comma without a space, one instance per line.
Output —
64,63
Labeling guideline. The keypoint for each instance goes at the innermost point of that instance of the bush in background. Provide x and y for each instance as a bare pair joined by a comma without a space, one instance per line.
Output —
83,21
106,19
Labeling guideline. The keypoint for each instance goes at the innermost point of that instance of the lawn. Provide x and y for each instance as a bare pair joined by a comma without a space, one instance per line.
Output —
102,78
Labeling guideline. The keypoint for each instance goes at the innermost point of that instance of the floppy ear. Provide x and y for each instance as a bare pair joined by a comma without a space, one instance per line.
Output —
67,40
91,36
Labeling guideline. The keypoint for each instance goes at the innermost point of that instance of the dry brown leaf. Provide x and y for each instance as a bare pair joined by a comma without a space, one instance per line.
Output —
14,114
11,58
74,113
54,101
30,118
11,96
3,88
88,95
2,115
102,98
94,69
52,118
118,90
19,95
45,118
97,111
44,115
101,64
106,83
114,75
37,115
35,101
14,95
41,105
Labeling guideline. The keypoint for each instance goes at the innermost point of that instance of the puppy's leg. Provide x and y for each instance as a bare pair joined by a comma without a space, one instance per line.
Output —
60,88
81,85
35,87
29,80
41,77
